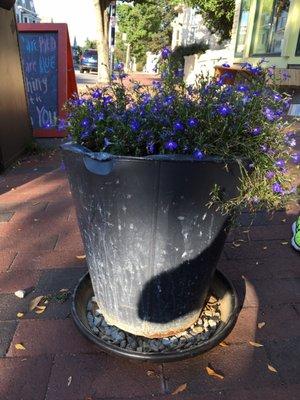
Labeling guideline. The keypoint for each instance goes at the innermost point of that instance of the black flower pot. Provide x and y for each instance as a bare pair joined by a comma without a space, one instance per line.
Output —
151,242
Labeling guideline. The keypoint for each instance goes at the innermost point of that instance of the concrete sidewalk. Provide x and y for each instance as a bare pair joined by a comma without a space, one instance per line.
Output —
39,245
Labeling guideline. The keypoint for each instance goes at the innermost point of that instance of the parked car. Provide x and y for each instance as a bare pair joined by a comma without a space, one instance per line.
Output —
89,61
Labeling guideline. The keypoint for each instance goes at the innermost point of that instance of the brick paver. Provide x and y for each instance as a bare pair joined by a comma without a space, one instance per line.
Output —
39,242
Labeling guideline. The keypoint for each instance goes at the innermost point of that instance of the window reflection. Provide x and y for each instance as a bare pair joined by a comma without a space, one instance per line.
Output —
270,22
243,25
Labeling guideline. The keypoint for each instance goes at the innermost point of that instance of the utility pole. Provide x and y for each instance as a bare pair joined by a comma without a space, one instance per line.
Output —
112,33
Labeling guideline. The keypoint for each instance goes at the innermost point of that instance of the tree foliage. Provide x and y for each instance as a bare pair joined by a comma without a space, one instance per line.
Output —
90,44
147,25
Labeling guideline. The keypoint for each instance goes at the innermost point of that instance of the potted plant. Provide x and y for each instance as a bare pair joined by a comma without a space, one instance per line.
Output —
156,173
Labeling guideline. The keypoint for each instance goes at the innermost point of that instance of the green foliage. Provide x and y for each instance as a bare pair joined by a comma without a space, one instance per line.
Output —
147,25
120,50
89,44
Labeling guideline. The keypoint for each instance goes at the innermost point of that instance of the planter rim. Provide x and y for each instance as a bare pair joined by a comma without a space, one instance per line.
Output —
103,156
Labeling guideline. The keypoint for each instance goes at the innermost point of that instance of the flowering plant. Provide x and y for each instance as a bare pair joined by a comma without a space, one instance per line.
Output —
241,121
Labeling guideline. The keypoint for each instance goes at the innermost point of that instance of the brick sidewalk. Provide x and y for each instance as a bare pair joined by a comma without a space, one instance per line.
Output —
39,242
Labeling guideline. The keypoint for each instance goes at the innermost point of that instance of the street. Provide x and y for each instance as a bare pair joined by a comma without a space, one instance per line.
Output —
90,79
85,79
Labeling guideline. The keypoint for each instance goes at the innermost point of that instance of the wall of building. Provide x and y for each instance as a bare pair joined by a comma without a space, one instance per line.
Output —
287,60
15,127
204,63
25,12
189,28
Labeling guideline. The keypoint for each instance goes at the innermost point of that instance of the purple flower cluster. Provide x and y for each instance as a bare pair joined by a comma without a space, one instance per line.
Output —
216,117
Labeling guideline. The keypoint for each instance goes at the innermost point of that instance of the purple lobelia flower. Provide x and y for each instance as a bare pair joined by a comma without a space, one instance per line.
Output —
85,122
85,134
270,174
269,114
280,163
107,142
277,188
277,97
224,110
62,125
100,116
226,65
178,126
150,147
135,125
242,88
107,100
295,158
192,122
171,145
179,73
290,139
285,75
256,131
97,94
157,85
120,66
165,53
198,154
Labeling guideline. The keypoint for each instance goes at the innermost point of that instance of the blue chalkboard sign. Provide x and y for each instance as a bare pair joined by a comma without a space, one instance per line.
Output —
39,53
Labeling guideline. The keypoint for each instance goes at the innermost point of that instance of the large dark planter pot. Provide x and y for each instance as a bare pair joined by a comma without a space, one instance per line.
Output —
151,242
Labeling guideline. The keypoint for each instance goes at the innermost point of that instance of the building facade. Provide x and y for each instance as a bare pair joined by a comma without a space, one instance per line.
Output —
268,29
25,12
189,28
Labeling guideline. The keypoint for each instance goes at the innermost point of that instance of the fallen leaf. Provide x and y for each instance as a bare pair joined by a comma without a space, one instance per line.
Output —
261,325
223,344
246,231
19,346
63,290
20,315
284,243
40,309
69,380
272,369
265,248
236,244
283,220
34,302
81,257
213,373
255,344
180,389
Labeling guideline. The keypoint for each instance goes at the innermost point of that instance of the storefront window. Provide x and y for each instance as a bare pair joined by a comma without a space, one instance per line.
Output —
298,46
270,22
242,29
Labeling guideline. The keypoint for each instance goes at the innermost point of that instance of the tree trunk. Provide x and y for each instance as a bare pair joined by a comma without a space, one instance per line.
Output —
102,18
